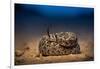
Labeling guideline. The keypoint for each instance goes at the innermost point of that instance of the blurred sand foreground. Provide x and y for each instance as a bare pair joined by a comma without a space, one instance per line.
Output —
29,54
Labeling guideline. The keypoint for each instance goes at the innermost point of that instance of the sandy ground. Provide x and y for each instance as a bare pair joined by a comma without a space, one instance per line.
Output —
31,54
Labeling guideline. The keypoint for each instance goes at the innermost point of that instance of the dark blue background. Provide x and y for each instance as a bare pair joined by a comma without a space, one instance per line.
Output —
33,20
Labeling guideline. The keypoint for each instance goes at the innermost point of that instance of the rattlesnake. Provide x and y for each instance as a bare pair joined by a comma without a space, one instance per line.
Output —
62,43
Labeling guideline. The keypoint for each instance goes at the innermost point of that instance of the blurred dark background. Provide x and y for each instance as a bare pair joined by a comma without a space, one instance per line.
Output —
31,21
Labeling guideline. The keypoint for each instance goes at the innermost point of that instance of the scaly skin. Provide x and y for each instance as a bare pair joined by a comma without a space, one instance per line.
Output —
62,43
